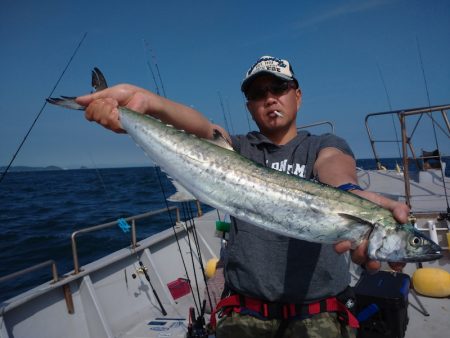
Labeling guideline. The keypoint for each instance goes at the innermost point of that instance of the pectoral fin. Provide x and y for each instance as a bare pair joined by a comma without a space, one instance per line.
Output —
220,140
182,195
355,219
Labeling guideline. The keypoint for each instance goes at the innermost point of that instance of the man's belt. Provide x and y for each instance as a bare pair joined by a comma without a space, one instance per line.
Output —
269,310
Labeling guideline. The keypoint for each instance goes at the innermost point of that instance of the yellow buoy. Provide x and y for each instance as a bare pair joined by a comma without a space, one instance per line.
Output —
432,282
210,269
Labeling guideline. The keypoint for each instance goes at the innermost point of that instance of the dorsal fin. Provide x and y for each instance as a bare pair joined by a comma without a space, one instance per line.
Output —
220,140
98,81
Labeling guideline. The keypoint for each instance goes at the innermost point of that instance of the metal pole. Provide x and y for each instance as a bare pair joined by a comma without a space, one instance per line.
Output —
76,266
133,234
405,160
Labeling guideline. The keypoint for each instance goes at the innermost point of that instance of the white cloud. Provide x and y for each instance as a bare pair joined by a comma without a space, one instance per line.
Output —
346,8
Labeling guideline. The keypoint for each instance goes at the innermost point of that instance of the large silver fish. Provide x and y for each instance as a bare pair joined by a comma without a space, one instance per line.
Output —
285,204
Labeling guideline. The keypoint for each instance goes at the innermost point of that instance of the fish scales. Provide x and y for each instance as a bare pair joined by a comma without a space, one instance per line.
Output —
282,203
285,204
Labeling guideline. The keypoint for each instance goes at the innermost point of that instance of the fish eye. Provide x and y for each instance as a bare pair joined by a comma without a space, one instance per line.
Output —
416,241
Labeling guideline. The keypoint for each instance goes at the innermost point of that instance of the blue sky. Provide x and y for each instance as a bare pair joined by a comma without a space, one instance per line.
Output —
203,48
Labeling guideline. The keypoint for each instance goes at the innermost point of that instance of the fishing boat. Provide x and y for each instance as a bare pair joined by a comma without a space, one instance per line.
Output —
159,286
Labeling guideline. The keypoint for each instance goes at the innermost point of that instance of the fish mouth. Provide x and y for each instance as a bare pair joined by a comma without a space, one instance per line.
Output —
424,258
414,258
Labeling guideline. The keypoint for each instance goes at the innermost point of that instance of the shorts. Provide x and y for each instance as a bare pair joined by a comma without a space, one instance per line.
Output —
322,325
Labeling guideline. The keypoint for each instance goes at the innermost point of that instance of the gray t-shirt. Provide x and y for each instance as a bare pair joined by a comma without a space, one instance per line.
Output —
268,266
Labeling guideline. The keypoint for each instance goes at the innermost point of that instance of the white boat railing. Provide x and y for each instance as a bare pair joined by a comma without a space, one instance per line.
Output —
77,269
33,268
132,219
320,123
406,139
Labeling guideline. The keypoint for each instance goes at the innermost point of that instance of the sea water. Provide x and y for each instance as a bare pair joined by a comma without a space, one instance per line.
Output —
39,211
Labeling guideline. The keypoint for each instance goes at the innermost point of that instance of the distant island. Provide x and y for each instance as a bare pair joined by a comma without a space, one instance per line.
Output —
26,168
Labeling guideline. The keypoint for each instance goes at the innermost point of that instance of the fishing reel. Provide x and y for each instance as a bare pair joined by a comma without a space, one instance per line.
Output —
140,270
196,326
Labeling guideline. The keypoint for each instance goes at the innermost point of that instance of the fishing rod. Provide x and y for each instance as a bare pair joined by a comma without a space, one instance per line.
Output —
124,226
158,174
223,112
98,83
229,116
153,57
433,123
159,75
187,209
247,112
149,66
191,250
42,108
397,141
196,327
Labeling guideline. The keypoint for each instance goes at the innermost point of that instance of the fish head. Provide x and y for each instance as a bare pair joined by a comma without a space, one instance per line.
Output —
401,243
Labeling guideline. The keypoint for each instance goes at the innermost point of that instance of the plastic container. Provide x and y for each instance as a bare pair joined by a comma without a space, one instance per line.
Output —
388,292
179,288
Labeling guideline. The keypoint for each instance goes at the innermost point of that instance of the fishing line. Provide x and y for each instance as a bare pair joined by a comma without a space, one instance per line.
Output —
187,209
149,66
100,177
223,112
133,251
199,253
433,123
229,116
218,214
42,108
247,112
159,75
190,220
397,141
152,55
158,175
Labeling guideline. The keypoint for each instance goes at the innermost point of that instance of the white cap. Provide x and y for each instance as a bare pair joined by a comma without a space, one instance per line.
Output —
271,66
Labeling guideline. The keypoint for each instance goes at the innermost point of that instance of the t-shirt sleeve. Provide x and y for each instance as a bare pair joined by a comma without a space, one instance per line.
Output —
331,140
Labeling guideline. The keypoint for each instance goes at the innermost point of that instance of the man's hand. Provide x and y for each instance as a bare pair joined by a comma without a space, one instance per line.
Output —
101,106
400,211
335,168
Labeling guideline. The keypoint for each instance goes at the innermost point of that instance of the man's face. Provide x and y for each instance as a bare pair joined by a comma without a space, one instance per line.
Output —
268,94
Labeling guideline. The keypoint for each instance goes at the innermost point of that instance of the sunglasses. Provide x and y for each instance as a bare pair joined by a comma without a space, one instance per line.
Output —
255,93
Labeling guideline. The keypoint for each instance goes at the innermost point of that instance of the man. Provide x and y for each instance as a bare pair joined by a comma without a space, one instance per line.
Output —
275,280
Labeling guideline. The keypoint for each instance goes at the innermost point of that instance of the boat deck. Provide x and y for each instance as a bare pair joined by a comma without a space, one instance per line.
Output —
437,323
112,298
427,188
428,317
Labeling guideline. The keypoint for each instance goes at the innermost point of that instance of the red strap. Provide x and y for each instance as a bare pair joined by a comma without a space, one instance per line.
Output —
233,303
314,308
